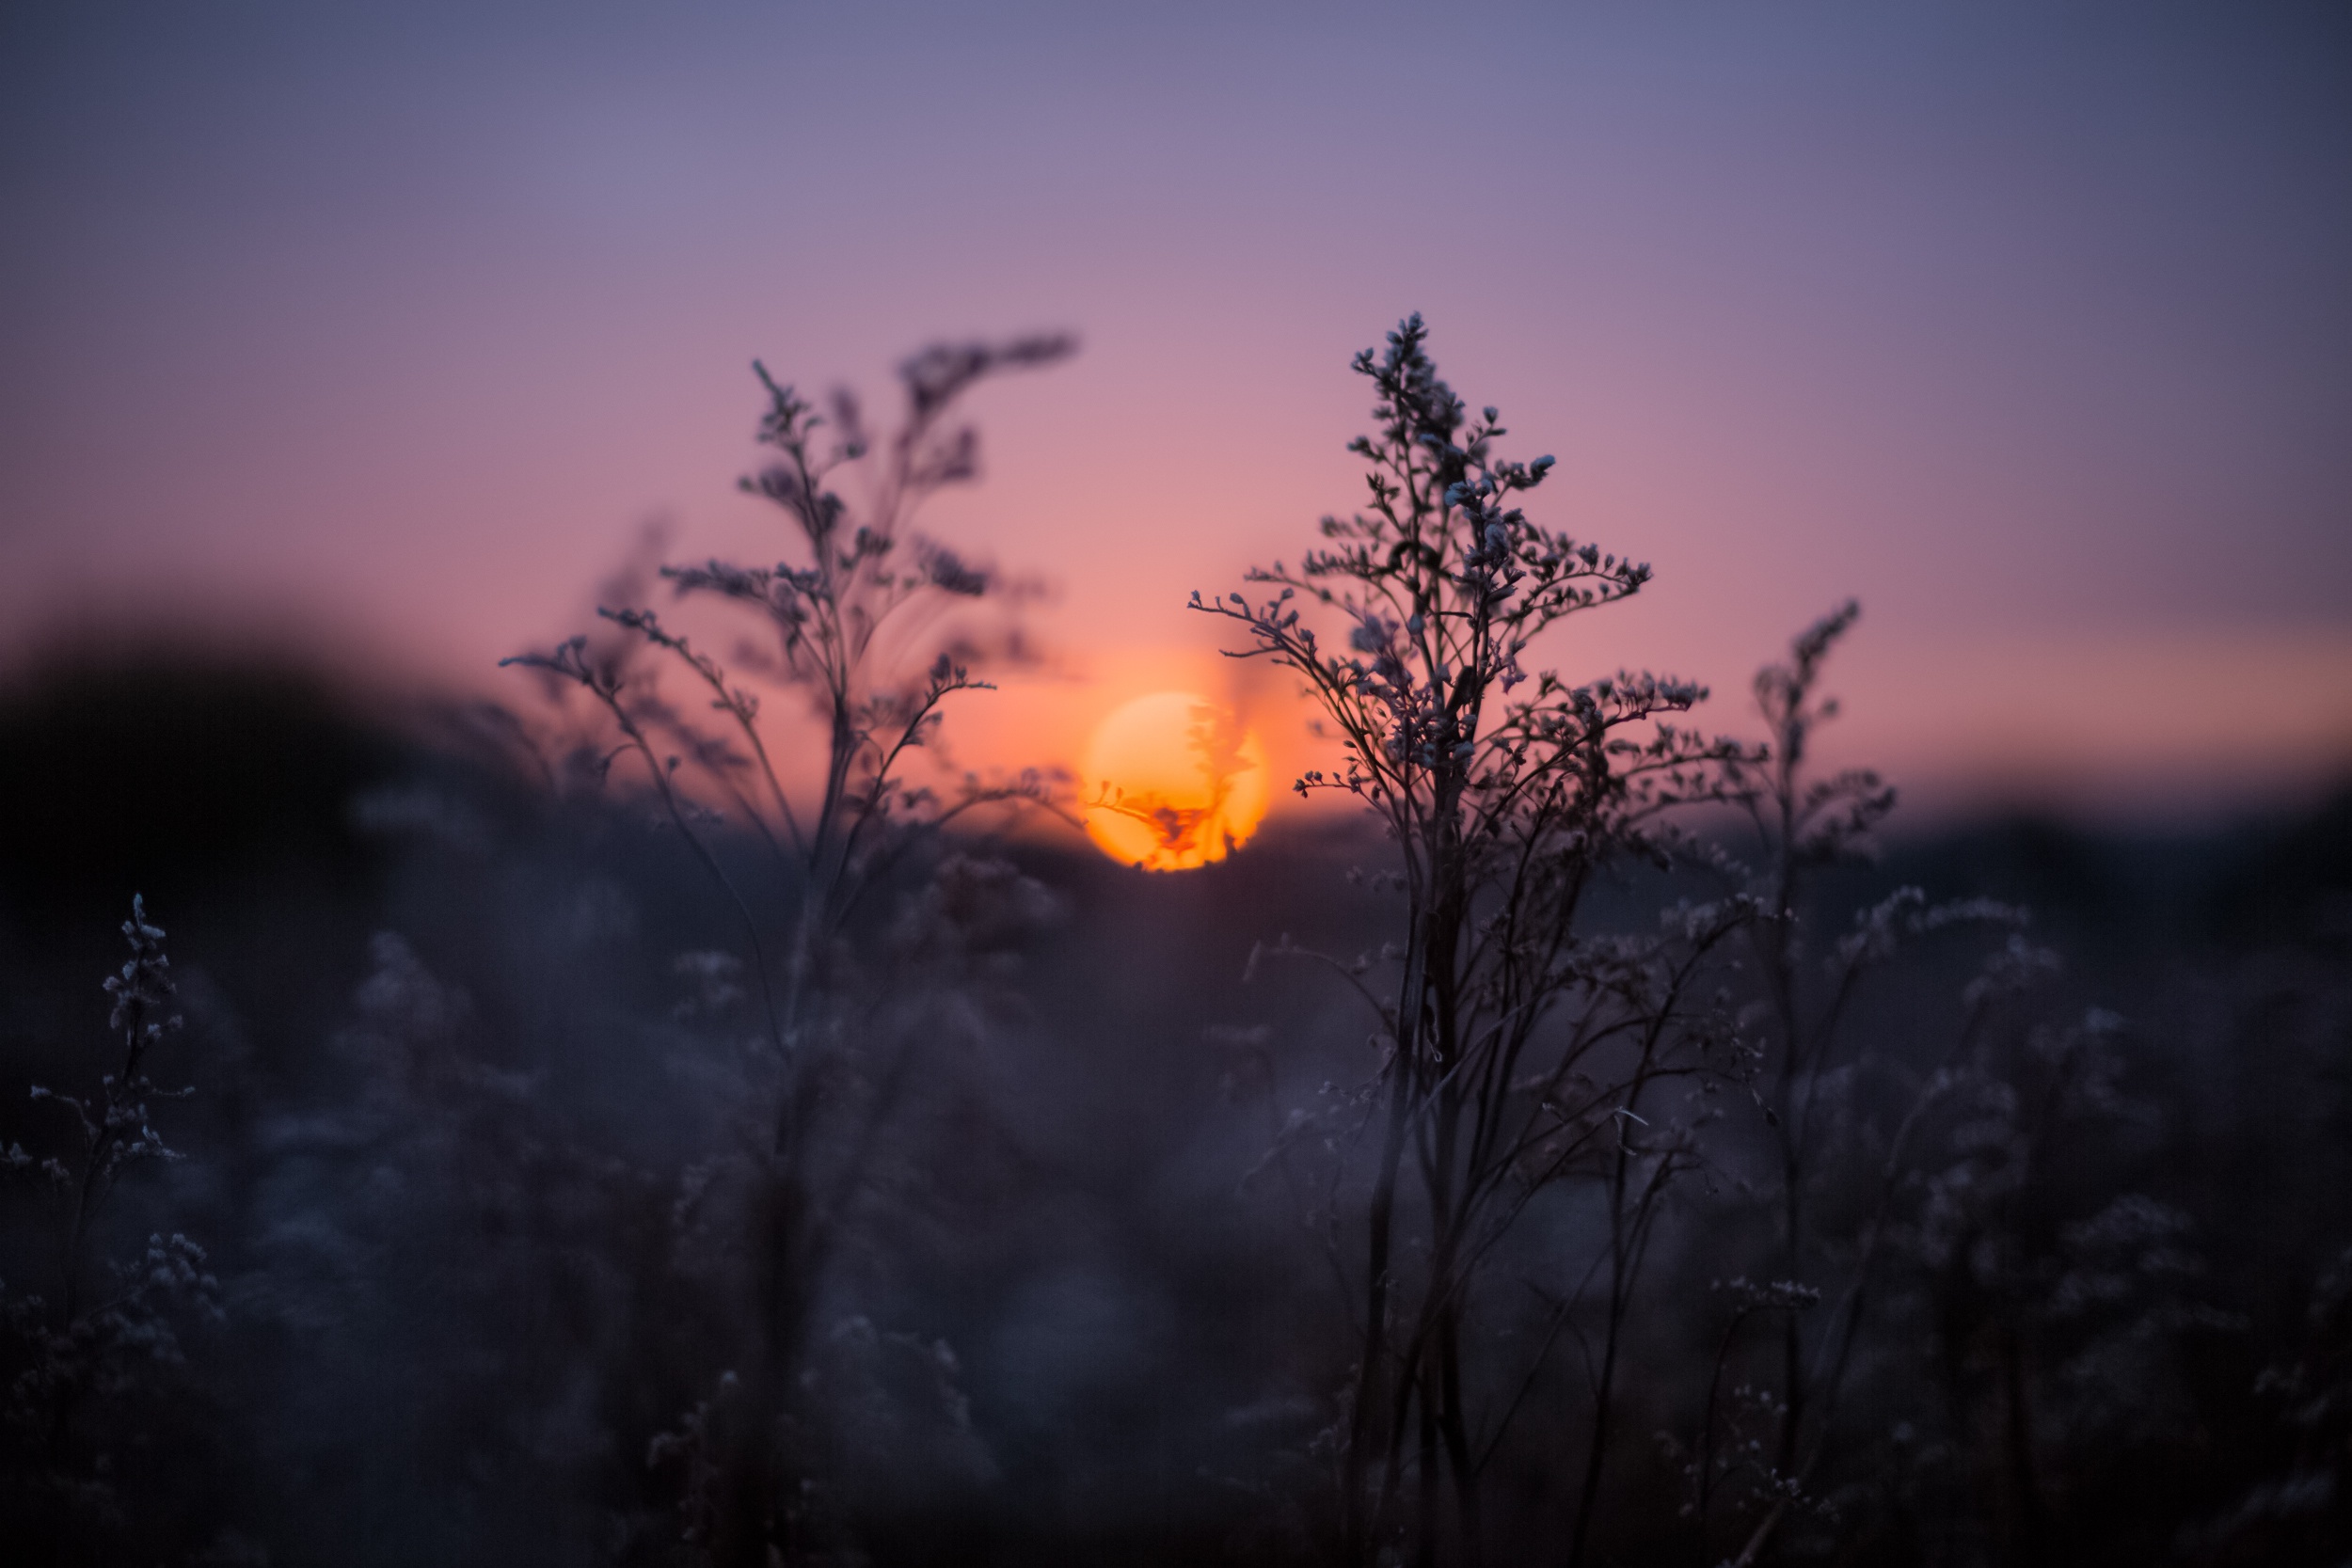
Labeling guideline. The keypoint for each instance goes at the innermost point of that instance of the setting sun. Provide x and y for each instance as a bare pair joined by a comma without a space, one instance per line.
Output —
1172,782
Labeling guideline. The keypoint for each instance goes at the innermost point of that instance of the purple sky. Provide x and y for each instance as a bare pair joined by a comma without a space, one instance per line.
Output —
2030,325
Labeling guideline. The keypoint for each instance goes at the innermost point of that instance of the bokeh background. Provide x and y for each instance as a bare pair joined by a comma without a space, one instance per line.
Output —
345,350
378,333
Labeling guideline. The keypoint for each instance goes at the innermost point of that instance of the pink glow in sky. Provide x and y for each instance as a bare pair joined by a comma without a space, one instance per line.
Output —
2030,326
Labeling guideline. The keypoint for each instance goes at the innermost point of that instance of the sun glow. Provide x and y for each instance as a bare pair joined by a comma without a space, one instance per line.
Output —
1171,781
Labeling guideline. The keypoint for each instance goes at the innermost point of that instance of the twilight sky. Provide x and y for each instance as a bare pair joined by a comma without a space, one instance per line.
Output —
2030,325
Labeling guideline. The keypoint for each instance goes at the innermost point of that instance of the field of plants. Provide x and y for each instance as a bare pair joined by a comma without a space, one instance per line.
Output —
660,1118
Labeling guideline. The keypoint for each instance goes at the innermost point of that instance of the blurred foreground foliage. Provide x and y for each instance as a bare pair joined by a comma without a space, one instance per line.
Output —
457,1094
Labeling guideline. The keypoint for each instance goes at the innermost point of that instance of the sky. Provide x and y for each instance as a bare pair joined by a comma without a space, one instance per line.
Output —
387,329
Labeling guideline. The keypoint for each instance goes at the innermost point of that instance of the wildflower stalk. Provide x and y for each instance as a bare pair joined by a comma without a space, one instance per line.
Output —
842,625
114,1131
1500,809
1805,823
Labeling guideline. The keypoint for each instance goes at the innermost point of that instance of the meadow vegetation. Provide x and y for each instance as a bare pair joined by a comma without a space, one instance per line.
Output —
678,1120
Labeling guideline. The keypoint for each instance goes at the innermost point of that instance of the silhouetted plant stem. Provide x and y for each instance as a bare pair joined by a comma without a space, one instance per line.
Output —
842,622
1499,809
1370,1383
80,1347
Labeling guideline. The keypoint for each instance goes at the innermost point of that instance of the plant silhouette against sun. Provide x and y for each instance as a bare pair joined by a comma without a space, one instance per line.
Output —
1194,829
1521,1050
868,600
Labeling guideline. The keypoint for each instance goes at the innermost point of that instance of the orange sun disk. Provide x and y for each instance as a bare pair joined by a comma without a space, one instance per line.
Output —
1171,781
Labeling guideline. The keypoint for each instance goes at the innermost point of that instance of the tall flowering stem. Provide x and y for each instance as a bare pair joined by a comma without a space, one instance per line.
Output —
118,1132
77,1341
1519,1048
859,626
